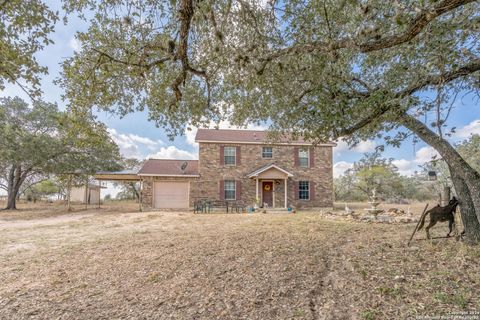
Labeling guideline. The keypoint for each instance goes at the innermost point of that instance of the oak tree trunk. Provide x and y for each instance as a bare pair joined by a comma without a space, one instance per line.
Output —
16,177
11,202
470,221
466,180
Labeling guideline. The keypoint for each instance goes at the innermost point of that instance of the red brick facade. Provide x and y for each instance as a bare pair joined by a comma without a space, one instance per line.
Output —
285,167
249,158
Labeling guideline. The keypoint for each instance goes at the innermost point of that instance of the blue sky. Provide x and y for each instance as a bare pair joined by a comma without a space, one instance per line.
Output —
137,137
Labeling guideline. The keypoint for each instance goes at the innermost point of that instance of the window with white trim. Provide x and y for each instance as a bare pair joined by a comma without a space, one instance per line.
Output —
230,189
229,154
304,190
267,152
303,157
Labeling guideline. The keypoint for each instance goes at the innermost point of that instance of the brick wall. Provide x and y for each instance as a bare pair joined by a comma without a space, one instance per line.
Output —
211,172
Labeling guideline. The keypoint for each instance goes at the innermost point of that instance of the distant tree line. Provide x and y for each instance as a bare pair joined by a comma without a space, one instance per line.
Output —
373,171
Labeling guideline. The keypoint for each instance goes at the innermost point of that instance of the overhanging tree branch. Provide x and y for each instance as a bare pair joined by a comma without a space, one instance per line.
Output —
463,71
414,28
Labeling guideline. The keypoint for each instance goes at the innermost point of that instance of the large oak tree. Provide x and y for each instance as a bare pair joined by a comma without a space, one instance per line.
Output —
39,140
326,69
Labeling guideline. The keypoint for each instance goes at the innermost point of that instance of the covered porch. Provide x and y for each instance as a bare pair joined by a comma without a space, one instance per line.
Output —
271,186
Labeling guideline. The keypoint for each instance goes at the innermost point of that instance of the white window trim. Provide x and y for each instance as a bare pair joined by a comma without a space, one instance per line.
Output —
267,157
234,190
308,158
308,183
234,156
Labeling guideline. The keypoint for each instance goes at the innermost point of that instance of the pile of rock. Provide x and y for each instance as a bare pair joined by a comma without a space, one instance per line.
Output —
395,212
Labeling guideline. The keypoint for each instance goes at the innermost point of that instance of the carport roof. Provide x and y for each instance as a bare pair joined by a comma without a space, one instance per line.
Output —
125,175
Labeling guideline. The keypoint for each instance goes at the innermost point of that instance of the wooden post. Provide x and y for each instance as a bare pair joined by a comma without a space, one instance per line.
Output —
140,196
69,190
99,192
87,191
416,227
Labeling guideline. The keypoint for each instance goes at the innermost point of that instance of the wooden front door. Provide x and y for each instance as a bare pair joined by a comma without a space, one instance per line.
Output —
267,193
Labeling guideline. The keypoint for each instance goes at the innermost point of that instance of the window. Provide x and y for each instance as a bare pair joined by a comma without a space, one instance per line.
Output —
303,190
267,152
229,153
303,157
230,189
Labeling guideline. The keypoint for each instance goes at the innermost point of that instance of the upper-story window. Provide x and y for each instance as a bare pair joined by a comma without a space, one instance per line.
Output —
304,190
267,152
304,157
229,154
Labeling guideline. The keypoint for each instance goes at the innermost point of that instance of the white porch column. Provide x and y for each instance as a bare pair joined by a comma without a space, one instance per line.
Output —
256,188
286,192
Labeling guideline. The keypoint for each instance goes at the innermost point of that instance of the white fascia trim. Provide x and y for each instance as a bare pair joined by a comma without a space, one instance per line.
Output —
170,175
275,143
256,173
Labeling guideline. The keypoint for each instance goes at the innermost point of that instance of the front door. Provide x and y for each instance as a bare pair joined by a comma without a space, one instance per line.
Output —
267,193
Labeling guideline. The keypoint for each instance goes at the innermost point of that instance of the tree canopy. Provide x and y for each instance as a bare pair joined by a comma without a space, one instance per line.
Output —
322,64
39,140
25,27
328,69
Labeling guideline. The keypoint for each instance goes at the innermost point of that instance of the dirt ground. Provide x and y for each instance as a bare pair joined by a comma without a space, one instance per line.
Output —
174,265
42,209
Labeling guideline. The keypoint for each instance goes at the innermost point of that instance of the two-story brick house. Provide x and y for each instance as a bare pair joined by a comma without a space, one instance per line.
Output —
242,165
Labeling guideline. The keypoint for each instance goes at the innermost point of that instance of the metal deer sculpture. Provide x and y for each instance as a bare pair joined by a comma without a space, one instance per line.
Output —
441,214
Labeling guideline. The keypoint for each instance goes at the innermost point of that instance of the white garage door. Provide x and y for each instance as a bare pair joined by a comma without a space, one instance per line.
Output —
171,195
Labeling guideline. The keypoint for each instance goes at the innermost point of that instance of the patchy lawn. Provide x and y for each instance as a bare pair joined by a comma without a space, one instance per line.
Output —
166,265
41,209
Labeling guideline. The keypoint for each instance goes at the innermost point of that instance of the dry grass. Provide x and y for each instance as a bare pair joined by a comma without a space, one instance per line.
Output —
244,266
42,209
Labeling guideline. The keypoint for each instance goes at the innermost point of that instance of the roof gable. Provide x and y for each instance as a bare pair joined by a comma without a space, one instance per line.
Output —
268,167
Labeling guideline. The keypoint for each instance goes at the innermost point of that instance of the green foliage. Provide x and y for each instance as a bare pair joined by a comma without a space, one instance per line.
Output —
374,172
28,134
42,189
369,173
25,26
39,140
470,151
45,188
325,69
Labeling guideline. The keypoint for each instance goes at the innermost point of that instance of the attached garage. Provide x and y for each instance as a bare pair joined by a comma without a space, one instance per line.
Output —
171,194
166,183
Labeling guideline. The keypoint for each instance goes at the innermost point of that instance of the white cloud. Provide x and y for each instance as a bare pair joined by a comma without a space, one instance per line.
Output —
74,44
426,154
423,155
172,152
340,167
361,147
149,143
471,128
130,144
403,164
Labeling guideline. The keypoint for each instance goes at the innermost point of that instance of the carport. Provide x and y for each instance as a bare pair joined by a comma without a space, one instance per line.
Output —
120,176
